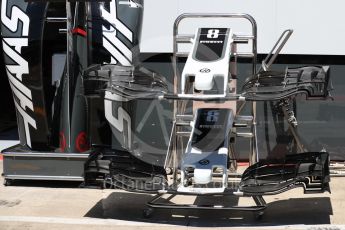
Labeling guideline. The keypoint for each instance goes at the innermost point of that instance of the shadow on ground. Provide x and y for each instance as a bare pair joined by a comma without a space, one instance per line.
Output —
129,206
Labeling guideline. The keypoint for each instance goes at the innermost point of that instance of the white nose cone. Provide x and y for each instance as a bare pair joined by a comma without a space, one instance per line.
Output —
203,81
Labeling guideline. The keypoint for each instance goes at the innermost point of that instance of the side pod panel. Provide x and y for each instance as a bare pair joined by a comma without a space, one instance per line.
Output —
22,25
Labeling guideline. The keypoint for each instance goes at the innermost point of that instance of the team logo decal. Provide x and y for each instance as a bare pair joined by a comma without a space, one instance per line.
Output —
205,70
119,52
16,20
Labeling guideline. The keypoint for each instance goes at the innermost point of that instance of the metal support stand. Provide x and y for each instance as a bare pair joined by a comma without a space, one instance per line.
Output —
154,203
182,120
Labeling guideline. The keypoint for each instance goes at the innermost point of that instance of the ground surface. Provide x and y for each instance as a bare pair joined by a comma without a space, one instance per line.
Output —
53,205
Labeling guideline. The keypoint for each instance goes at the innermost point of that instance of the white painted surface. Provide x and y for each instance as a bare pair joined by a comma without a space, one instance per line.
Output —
318,24
7,144
159,17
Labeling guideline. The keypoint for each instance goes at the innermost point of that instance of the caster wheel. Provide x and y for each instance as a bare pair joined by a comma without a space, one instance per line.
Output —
7,182
147,213
259,215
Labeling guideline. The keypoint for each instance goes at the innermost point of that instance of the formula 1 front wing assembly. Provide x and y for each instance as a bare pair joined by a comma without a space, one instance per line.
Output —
312,81
309,170
129,82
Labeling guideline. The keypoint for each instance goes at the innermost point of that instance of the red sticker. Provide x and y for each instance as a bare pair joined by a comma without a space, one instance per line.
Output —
81,143
62,142
79,31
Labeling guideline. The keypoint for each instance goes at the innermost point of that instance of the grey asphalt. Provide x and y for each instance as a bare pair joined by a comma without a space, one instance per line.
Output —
62,205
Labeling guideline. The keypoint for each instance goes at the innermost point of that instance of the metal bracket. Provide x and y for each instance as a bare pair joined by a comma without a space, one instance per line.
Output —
272,55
